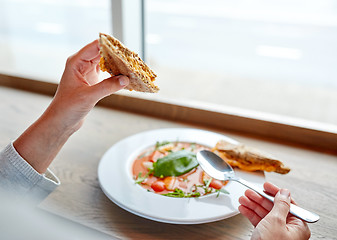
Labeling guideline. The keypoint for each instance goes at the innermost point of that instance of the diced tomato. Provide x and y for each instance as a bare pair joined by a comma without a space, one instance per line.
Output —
170,183
216,184
158,186
154,156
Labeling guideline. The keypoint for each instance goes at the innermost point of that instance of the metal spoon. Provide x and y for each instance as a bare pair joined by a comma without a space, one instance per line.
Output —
217,168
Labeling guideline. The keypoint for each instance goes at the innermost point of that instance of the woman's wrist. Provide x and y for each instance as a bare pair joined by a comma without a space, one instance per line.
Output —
41,142
64,123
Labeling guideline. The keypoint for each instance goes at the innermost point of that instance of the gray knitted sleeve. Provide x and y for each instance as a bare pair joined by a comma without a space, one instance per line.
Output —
20,180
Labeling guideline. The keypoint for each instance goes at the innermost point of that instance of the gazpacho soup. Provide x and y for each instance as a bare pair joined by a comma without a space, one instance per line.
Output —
171,169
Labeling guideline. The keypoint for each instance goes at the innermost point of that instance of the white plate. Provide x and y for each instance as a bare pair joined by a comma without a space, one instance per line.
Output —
115,177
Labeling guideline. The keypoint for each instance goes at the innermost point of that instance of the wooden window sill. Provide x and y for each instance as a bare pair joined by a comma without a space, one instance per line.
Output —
319,136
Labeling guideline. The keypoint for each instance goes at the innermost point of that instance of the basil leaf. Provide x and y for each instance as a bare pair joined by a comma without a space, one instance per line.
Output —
175,164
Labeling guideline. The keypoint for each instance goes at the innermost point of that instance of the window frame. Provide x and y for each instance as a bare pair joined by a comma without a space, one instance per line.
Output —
271,127
128,24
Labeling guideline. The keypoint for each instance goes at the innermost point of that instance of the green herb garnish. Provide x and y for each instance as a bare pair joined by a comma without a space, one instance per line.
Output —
160,144
221,191
178,193
208,182
175,164
193,146
140,179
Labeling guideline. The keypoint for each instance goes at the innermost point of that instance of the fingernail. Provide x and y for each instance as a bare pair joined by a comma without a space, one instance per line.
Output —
285,192
123,80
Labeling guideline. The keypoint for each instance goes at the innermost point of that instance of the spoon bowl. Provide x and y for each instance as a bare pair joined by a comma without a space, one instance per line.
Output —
219,169
215,166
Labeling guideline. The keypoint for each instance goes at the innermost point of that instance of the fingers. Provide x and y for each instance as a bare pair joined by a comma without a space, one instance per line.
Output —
257,198
256,207
281,206
90,52
250,214
270,188
86,59
109,86
254,200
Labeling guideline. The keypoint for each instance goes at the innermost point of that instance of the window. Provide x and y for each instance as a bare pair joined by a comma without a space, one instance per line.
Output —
37,36
276,57
270,56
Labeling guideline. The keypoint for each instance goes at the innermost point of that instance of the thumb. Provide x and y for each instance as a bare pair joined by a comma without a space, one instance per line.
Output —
281,205
109,86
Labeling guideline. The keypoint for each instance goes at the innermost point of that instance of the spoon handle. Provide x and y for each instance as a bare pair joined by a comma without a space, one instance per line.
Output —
294,209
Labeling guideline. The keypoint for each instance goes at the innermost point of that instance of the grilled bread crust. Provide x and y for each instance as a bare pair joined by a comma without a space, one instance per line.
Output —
116,59
247,158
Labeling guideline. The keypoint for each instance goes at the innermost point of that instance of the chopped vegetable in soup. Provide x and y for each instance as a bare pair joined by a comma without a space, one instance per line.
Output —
172,169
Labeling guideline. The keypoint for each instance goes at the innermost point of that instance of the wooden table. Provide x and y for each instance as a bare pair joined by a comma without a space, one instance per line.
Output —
312,180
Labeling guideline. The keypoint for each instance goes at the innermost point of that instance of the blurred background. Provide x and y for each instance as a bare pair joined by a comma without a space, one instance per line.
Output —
269,56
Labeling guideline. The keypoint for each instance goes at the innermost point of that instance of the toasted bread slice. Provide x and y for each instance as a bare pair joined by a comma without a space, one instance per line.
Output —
247,158
116,59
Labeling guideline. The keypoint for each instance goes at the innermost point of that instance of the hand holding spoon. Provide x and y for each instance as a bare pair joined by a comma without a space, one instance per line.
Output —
219,169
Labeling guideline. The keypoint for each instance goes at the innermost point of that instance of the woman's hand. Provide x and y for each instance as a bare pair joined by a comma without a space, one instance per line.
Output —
272,221
79,89
77,93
